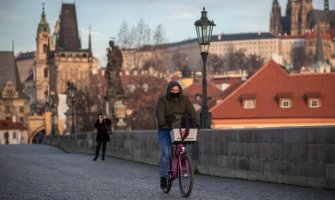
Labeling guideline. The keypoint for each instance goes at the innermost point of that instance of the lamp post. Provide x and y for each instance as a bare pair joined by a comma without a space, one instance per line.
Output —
204,29
51,103
72,92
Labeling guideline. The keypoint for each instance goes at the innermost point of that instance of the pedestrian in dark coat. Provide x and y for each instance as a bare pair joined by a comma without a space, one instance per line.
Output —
102,125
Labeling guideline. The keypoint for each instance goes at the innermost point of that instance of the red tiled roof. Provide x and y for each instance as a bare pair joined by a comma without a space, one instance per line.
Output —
228,80
272,80
9,125
313,35
196,88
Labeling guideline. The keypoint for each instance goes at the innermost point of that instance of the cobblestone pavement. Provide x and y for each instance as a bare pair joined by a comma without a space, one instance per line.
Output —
44,172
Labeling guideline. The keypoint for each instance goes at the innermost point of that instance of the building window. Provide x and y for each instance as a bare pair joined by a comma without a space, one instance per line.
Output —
46,72
314,103
285,100
21,109
7,109
21,120
14,135
45,48
313,100
249,103
286,103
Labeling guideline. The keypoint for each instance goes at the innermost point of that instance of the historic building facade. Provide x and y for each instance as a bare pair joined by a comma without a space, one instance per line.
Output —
294,100
14,103
60,58
262,44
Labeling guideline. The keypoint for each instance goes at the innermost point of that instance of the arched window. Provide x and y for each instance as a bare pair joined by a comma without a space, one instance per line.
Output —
46,72
45,48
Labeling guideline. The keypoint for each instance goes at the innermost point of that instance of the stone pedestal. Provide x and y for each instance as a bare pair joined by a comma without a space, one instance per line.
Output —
116,111
120,115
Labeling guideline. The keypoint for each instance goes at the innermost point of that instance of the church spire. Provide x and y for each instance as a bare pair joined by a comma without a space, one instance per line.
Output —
275,18
89,41
43,26
326,5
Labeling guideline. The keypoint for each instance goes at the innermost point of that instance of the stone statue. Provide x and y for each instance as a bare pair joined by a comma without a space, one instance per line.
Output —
112,74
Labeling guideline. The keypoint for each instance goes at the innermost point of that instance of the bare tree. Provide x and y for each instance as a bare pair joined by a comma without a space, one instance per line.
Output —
215,63
253,63
159,35
141,33
238,60
124,37
298,57
143,93
179,60
90,102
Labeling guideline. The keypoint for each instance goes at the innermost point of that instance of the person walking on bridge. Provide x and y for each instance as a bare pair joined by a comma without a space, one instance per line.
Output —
102,125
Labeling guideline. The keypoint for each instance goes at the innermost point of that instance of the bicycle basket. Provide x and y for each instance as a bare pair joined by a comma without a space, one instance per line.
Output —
177,135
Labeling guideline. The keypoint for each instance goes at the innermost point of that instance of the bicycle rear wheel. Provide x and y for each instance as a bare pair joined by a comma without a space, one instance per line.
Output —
185,176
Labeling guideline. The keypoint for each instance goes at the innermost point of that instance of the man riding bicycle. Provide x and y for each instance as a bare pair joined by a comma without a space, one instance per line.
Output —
168,106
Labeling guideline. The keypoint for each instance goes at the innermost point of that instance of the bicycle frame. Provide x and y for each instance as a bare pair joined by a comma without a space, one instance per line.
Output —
176,154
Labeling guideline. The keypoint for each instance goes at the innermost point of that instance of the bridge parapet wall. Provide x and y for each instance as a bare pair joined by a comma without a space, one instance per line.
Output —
303,156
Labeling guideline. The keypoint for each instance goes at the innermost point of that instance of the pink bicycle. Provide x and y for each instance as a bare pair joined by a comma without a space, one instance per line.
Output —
180,165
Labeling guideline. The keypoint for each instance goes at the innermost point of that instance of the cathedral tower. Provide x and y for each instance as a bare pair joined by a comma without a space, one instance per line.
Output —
275,19
299,14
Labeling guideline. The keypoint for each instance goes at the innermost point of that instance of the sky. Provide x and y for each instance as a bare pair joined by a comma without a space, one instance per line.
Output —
19,18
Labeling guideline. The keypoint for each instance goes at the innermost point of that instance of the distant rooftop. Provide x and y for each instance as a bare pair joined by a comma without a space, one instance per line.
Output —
232,37
26,56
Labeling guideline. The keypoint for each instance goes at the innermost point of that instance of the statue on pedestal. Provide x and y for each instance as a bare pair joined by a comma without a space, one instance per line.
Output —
115,93
112,73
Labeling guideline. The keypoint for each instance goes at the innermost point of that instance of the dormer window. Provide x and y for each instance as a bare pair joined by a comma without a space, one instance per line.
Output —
285,100
248,101
313,100
285,103
314,103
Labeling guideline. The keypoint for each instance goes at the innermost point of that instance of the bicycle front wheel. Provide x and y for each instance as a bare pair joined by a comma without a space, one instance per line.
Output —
169,183
185,176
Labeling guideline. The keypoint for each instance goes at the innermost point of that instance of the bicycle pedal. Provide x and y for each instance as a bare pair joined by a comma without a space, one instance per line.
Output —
185,175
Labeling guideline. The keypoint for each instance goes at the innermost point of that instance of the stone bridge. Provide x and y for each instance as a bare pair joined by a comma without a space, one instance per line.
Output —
29,172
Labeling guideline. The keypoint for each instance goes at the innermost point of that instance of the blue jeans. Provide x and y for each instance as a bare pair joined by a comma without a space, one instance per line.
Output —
165,143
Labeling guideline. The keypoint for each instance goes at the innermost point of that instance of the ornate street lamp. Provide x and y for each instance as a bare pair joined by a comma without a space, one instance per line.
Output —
204,29
72,92
51,103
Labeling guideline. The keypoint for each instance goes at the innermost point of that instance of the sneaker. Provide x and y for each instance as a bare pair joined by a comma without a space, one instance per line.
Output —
163,183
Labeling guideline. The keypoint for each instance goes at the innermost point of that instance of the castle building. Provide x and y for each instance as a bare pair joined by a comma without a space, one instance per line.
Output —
262,44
